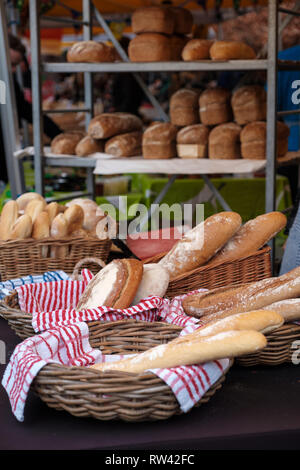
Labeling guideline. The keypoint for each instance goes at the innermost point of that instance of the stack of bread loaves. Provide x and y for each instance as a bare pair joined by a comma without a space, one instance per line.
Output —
160,33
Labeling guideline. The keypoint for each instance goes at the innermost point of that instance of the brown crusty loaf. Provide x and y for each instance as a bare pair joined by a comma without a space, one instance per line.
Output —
192,141
190,352
90,51
289,309
159,141
224,141
65,143
197,49
108,125
251,237
178,43
125,145
253,140
114,286
150,47
201,243
184,108
153,19
88,145
183,20
249,103
225,301
230,50
214,106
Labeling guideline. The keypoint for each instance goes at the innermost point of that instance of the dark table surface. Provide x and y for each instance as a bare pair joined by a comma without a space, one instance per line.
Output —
257,408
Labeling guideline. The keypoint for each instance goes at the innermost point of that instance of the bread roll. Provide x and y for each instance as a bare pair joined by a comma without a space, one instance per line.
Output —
155,281
184,108
230,50
74,216
25,198
225,301
199,244
90,51
224,141
107,125
9,216
192,141
289,309
114,286
41,226
197,49
150,47
59,230
183,20
249,103
34,208
66,142
53,210
153,19
92,212
214,106
22,228
159,141
178,43
229,344
251,237
254,140
88,145
125,145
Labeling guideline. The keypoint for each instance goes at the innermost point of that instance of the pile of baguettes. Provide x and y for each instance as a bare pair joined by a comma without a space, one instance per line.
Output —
30,216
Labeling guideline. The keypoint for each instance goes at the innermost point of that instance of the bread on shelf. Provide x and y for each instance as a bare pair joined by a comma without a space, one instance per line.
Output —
192,141
231,50
254,140
183,20
184,107
224,141
150,47
153,19
249,103
88,146
159,141
214,106
125,145
197,49
91,51
106,125
66,142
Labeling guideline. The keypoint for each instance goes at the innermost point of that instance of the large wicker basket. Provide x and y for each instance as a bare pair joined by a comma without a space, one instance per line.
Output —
84,392
20,258
254,267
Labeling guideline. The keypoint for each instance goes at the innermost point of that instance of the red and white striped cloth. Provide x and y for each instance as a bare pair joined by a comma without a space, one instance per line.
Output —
69,345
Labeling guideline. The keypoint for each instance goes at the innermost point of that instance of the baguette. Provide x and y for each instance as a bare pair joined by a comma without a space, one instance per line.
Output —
251,237
53,210
22,228
225,301
9,216
228,344
41,230
59,229
34,208
199,244
289,309
74,216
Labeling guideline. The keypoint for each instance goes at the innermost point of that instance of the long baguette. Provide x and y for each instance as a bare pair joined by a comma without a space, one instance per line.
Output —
228,344
289,309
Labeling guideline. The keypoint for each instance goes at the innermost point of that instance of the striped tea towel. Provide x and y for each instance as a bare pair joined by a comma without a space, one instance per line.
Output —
7,287
69,345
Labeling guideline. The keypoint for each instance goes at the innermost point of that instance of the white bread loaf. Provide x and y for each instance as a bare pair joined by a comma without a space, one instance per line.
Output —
155,281
9,216
92,212
25,198
22,228
34,208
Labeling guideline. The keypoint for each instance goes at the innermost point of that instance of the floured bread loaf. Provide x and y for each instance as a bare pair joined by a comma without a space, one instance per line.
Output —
114,286
201,243
155,281
289,309
107,125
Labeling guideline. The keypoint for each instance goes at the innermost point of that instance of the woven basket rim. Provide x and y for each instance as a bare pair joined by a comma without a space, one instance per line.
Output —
50,240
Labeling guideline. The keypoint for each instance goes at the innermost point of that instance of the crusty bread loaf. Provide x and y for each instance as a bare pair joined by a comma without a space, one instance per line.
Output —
34,208
178,43
150,47
254,141
125,145
155,281
59,230
224,141
65,143
214,106
9,216
25,198
249,103
74,216
251,237
197,49
53,210
92,212
91,51
183,20
114,286
159,141
289,309
201,243
230,50
41,226
229,344
225,301
192,141
108,125
22,228
88,145
184,107
153,19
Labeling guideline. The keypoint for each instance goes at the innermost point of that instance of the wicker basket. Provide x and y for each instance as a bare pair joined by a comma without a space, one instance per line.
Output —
114,395
254,267
20,258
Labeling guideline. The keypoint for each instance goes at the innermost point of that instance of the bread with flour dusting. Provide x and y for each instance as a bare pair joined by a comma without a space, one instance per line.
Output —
106,125
289,309
155,281
114,286
201,243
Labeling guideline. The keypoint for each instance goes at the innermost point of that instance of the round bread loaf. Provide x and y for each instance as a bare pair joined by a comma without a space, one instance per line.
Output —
114,286
254,141
153,19
90,51
108,125
230,50
183,20
224,141
184,107
125,145
214,106
155,281
66,142
25,198
150,47
159,141
249,104
192,141
197,49
88,145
